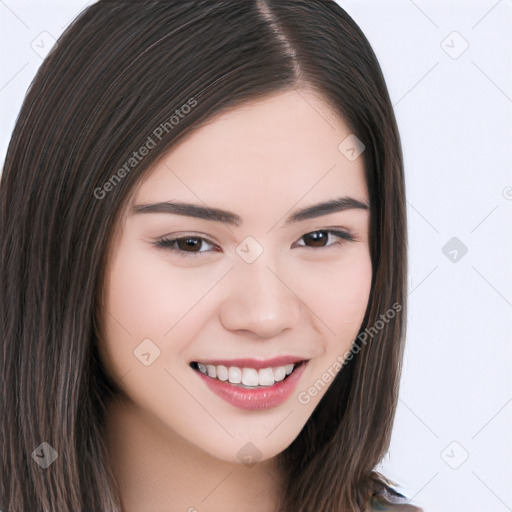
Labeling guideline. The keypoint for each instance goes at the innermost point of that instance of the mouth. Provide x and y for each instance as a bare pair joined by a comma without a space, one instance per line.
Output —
247,377
252,384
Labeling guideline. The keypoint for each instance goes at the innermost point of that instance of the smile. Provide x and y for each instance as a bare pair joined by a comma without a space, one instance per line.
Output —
247,377
246,387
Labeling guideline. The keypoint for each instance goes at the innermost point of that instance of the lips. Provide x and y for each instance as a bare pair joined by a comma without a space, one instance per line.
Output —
250,383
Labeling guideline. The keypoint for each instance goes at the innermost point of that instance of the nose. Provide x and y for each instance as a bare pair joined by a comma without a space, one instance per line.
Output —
259,300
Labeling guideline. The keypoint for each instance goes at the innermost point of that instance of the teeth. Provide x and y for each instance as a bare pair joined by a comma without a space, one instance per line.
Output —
266,377
222,372
234,375
247,376
279,373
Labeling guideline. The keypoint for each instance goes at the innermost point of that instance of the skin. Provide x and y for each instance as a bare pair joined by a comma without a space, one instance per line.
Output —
174,443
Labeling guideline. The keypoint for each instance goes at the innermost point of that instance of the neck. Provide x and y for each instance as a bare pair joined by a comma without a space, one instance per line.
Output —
158,470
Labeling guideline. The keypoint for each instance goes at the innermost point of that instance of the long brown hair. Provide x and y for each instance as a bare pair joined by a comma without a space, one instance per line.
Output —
121,71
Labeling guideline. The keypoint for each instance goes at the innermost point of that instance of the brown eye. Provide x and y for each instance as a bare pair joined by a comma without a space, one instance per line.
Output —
317,238
189,244
324,238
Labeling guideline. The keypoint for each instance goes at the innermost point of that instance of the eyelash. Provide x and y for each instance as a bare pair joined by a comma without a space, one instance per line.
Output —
169,243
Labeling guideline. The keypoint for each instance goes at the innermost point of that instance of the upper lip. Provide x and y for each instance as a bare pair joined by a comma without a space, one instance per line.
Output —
254,363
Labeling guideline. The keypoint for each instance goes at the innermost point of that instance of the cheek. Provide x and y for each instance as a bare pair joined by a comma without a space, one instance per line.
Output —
340,307
149,295
141,304
339,293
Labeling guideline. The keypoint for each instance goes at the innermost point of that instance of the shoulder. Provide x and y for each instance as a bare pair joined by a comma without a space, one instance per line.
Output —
390,500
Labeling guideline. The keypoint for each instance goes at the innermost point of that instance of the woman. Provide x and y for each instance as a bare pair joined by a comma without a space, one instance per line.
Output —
204,264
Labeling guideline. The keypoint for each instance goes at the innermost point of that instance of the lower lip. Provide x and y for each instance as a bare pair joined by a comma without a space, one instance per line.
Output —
258,398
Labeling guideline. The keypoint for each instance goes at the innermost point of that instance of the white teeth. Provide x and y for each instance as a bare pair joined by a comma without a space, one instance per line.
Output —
266,376
247,376
222,372
279,373
234,375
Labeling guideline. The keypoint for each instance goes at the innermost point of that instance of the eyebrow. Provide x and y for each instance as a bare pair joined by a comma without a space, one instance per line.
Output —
219,215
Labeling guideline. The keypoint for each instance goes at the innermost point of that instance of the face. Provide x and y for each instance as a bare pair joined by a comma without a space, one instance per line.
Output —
226,329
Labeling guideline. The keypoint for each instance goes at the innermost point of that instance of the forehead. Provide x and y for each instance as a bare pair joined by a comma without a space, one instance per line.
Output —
261,158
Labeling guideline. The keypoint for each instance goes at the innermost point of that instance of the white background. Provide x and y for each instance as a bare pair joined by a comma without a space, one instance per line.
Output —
452,442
